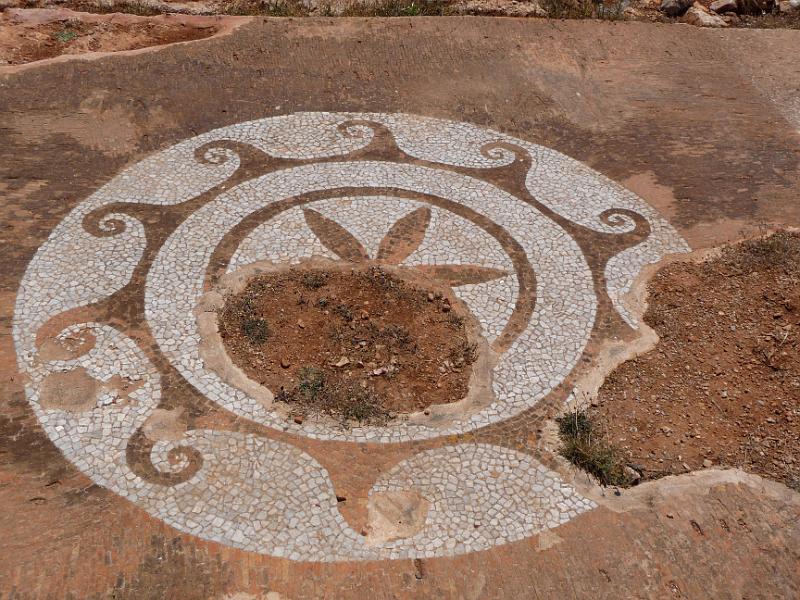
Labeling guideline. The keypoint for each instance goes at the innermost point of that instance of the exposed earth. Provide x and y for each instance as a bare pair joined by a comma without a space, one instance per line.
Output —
501,192
722,386
28,37
361,344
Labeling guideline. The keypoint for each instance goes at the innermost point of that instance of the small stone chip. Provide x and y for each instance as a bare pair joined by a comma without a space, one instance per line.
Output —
342,362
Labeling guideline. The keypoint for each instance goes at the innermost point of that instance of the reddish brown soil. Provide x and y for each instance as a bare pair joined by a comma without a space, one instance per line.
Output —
24,43
364,335
723,383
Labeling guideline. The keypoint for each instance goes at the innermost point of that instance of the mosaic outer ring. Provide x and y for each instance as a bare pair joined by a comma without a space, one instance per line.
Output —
267,495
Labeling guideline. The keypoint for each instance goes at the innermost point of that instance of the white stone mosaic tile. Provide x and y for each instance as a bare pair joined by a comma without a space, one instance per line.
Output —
479,494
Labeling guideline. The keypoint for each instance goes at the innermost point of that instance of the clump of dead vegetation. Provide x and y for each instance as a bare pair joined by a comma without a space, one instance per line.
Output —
586,446
131,7
584,9
318,393
256,330
398,8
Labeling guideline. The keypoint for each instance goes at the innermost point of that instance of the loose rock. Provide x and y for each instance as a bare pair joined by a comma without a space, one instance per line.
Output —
675,8
632,474
700,18
724,6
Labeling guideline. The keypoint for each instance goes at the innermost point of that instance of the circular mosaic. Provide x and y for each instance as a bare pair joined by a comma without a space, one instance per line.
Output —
115,325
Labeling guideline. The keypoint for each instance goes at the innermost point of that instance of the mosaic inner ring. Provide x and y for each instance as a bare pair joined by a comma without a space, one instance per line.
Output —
561,321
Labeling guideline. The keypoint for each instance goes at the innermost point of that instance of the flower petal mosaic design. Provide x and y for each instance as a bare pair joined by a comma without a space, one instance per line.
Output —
106,325
404,237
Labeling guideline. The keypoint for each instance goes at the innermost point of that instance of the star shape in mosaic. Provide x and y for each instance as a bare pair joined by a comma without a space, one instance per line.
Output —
403,238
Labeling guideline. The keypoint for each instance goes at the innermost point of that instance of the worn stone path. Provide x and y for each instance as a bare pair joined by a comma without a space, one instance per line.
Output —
535,168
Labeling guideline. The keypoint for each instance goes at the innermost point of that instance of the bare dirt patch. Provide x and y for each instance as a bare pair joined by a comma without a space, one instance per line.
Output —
72,390
722,386
357,344
22,43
